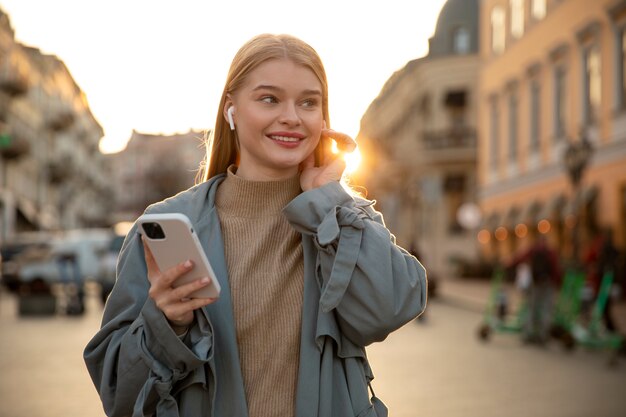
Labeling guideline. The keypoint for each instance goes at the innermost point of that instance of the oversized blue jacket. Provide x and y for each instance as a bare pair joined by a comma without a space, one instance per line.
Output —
359,286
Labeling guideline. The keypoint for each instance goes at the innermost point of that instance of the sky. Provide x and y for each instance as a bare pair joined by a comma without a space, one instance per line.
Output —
159,66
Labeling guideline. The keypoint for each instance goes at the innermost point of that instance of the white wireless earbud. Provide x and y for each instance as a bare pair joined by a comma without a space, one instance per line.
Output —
229,114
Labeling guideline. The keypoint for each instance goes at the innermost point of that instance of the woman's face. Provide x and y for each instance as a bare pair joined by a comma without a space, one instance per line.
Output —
278,118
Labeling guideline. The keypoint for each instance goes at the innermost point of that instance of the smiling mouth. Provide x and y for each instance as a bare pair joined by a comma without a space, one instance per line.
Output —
285,138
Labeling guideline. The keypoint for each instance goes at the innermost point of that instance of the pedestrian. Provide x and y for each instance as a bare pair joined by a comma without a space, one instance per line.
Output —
309,274
602,258
545,279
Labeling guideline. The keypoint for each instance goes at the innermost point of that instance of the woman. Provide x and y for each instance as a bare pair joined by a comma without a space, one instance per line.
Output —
309,274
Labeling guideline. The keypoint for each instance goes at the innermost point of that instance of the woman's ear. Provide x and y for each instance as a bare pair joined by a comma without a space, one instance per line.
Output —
228,111
229,116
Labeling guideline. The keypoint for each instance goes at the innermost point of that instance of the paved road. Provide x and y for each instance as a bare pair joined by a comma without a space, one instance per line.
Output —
440,368
433,368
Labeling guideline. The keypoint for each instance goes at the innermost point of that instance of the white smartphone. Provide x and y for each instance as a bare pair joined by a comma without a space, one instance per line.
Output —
172,240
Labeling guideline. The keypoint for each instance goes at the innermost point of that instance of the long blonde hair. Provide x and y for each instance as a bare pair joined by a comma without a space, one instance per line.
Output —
221,145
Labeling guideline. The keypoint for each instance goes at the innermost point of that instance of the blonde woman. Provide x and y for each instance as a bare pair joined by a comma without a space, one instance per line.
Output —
309,274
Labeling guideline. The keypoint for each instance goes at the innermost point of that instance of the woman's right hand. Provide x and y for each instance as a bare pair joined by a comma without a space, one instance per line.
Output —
175,303
333,165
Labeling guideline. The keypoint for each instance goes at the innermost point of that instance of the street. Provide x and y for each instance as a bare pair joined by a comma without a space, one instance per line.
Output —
434,367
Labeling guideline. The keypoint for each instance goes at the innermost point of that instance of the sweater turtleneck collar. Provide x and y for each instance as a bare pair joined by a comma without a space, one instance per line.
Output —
245,198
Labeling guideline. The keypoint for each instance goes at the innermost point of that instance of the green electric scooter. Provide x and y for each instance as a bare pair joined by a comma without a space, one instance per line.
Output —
576,329
497,317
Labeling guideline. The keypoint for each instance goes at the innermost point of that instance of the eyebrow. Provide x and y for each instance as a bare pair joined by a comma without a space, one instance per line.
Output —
275,88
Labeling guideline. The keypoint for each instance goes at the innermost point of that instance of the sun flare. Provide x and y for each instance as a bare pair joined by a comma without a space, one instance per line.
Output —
353,159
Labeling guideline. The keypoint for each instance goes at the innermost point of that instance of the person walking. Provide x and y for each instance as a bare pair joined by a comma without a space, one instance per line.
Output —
601,258
545,279
309,273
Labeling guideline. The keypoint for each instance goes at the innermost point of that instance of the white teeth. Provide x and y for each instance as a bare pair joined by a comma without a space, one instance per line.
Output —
284,138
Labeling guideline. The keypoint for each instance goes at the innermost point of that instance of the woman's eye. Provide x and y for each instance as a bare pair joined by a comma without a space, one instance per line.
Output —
309,103
269,99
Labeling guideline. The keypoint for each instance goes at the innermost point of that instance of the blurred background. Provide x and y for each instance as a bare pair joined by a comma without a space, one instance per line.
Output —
484,126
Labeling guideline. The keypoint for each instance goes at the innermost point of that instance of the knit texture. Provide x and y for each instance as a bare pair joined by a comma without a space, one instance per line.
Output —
266,276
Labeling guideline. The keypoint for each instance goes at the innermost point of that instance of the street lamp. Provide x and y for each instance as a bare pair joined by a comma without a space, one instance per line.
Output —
576,158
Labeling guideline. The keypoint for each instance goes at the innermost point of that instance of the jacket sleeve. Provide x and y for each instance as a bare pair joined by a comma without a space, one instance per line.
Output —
136,359
373,285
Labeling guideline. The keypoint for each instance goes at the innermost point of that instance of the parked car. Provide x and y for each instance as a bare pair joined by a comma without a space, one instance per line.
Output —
23,245
72,256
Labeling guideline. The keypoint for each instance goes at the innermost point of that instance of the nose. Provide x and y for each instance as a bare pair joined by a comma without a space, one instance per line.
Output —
289,115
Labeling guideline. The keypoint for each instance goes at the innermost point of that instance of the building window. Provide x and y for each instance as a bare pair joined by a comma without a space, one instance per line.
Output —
517,18
535,112
461,41
513,126
622,67
425,106
455,104
560,95
538,9
494,129
593,83
498,33
454,188
425,111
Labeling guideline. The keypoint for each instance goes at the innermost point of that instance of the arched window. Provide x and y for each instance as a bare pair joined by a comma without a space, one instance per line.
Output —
494,133
513,126
461,41
517,18
560,101
498,34
593,83
538,9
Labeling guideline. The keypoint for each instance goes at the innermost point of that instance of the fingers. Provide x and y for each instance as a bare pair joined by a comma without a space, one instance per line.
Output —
186,290
180,314
335,168
345,143
176,309
331,172
163,282
176,303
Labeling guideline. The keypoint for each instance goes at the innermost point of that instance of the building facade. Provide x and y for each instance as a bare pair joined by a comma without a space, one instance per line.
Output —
153,167
552,123
52,174
418,140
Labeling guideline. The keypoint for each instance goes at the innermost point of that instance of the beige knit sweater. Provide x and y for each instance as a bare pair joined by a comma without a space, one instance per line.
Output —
266,276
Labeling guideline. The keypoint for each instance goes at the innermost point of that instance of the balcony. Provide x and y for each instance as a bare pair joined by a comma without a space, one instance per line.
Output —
449,145
13,145
60,169
13,82
456,137
60,120
5,104
14,79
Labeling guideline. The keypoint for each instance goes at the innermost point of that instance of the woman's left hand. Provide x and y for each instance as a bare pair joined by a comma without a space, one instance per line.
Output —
333,165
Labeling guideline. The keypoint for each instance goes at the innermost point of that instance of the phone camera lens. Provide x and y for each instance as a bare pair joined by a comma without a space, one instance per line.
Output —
153,230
